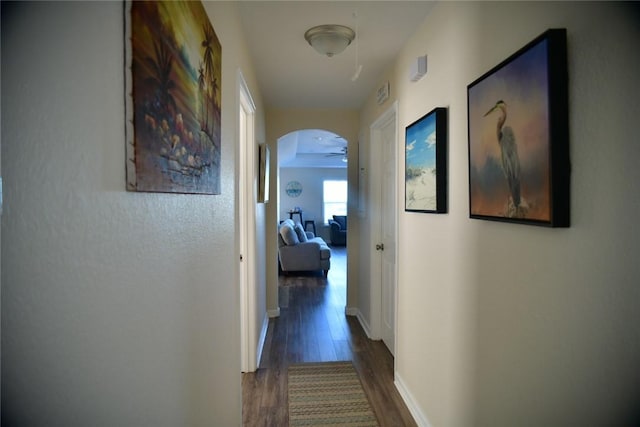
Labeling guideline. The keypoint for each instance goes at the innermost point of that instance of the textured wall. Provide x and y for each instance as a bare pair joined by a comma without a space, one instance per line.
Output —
117,308
502,324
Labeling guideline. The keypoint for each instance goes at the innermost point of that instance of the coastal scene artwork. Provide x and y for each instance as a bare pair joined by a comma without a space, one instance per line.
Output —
426,163
518,137
173,77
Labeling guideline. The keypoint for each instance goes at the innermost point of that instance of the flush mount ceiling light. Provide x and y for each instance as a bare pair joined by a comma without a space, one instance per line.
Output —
329,39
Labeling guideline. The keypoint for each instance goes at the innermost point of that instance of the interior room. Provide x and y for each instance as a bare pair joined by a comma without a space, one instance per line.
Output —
306,159
138,308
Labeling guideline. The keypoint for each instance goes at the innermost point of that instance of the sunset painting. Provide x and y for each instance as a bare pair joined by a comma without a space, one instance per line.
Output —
173,90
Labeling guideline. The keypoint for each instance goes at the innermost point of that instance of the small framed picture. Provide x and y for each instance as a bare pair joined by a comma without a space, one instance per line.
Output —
426,163
263,173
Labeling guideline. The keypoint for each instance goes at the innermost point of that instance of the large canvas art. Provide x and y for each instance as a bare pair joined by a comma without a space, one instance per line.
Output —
518,137
173,78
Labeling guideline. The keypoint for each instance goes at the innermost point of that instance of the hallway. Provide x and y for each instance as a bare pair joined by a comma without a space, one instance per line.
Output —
312,327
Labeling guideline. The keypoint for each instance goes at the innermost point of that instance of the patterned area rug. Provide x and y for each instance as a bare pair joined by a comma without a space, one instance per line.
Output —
328,394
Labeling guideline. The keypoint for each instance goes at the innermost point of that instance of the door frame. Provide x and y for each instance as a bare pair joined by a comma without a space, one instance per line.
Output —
375,230
246,191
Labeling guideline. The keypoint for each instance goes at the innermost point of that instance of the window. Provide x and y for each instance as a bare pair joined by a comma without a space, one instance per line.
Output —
334,199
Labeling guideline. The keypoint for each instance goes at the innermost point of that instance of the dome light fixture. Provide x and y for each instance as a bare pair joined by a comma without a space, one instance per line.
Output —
329,39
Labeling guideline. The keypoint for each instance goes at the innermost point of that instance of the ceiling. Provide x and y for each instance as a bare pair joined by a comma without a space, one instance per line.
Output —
291,74
312,148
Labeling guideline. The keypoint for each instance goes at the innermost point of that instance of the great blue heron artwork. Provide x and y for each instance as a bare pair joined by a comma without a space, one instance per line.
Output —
509,159
518,146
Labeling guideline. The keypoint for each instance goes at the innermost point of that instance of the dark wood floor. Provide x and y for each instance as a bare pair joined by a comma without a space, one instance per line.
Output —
312,327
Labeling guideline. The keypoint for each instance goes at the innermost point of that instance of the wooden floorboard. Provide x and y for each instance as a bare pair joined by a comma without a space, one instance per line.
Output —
312,327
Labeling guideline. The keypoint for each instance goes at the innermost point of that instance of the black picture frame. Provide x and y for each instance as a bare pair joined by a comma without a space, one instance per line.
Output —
264,156
518,136
426,163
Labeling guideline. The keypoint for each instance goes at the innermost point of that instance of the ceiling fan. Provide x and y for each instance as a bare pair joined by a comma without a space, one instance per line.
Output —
342,153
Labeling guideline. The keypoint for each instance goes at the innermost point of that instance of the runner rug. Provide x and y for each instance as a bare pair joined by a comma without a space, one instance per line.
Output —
328,394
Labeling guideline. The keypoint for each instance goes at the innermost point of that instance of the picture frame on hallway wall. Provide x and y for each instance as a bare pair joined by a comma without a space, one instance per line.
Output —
426,163
518,136
263,173
173,99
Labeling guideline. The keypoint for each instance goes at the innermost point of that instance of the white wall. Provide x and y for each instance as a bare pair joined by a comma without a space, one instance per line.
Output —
502,324
117,308
310,200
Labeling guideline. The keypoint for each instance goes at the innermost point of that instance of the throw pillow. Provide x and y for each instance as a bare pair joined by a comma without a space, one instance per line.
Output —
342,220
288,221
302,236
289,235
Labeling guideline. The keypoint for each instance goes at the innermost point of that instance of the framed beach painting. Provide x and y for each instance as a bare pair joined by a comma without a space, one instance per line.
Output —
518,137
173,99
426,163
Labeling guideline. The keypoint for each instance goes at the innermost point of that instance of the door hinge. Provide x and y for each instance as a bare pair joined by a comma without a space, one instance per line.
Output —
380,247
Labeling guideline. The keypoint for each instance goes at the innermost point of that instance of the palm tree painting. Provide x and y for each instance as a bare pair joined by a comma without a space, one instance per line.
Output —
173,106
518,137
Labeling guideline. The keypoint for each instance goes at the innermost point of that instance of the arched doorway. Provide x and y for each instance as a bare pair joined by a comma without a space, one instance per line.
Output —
312,187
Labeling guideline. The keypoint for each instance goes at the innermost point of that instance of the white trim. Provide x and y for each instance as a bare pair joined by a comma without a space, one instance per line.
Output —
419,417
273,313
262,339
246,202
374,191
364,324
351,311
354,311
242,84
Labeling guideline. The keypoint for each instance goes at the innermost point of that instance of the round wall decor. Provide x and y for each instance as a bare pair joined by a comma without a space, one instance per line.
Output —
294,189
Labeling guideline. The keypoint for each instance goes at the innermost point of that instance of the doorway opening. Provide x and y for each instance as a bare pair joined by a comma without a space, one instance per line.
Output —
312,188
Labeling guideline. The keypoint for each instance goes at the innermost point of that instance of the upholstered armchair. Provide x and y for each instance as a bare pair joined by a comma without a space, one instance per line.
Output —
338,230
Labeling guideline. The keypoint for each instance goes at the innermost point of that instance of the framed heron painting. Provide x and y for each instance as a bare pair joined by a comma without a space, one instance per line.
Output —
173,100
426,163
518,135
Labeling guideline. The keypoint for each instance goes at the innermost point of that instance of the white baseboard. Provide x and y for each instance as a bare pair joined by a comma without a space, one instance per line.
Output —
354,311
273,313
263,337
351,311
365,326
418,416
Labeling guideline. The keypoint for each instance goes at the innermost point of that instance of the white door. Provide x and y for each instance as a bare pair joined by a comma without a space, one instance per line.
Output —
246,227
383,227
